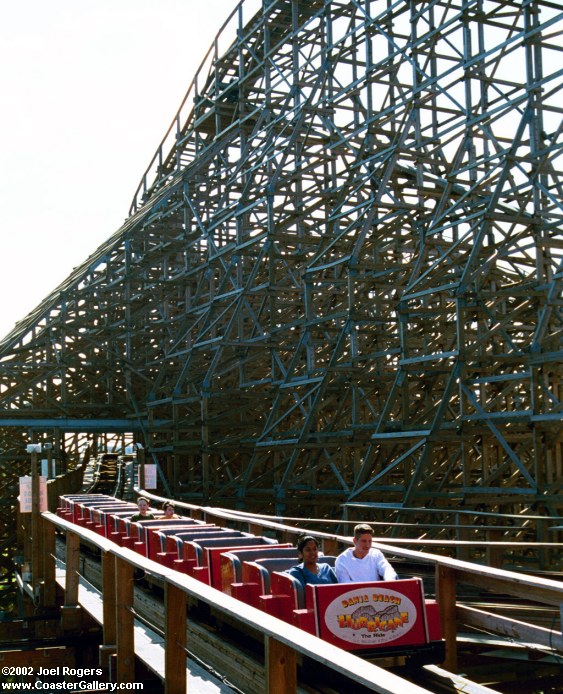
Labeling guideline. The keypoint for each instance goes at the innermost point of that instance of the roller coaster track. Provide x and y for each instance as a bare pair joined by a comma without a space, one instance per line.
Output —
235,647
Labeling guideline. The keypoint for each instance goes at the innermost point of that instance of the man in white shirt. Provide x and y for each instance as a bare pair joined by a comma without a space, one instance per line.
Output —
363,562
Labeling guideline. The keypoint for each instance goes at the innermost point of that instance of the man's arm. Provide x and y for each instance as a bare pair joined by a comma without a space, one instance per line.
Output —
385,570
342,573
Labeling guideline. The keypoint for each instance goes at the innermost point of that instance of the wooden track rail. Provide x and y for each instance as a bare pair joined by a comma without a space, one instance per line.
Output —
282,641
450,575
453,578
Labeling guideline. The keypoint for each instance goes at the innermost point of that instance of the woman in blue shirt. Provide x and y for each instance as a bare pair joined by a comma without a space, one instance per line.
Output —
309,571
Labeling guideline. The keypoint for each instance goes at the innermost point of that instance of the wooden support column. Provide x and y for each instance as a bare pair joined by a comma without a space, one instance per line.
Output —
72,568
71,612
255,528
463,535
36,557
205,471
141,463
23,522
49,574
494,553
108,647
125,636
281,668
175,680
446,596
544,555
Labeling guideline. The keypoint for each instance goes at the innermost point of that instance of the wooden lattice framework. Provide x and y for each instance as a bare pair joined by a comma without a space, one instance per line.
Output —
341,276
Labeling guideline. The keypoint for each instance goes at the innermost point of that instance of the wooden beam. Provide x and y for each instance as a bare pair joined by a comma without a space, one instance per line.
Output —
175,640
330,546
511,628
542,590
494,551
72,567
109,598
36,528
281,667
48,596
125,637
446,595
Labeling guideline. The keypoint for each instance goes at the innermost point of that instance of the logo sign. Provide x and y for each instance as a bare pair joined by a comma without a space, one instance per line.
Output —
370,616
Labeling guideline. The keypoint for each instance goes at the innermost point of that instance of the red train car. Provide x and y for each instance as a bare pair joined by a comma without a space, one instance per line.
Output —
374,618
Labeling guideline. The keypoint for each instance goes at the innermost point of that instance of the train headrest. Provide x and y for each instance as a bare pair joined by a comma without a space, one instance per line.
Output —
261,570
277,563
215,539
234,558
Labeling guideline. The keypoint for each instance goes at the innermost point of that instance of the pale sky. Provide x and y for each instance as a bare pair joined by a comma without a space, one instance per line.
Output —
88,89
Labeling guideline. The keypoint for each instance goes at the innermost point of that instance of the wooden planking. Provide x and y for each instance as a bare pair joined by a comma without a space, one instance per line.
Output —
513,629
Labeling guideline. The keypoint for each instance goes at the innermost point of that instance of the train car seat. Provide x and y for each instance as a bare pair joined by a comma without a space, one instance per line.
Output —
287,600
201,570
256,576
214,555
231,563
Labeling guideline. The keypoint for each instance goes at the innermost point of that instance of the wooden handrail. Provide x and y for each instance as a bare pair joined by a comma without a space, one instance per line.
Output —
283,640
449,572
260,521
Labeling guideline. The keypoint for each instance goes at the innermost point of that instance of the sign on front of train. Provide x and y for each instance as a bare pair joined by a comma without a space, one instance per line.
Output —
372,615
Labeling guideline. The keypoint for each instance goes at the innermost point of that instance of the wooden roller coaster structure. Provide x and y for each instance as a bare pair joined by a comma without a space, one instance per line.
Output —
340,280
